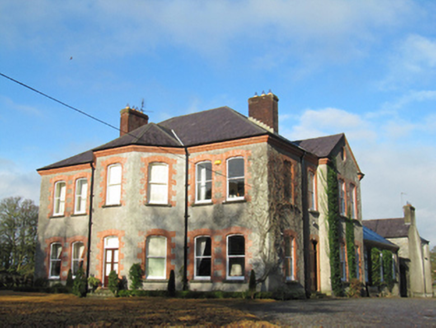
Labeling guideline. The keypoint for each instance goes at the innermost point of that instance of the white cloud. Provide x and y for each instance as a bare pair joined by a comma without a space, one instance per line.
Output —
336,28
390,166
413,61
316,123
16,182
9,104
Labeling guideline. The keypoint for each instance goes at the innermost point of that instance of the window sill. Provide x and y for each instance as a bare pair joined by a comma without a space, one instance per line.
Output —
79,214
158,205
200,281
202,204
313,211
235,281
111,205
57,216
236,201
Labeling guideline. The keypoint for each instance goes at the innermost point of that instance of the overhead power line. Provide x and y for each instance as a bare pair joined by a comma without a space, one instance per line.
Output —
99,120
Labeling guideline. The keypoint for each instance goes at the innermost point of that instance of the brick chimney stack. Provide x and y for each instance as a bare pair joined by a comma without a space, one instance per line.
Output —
131,119
264,108
409,214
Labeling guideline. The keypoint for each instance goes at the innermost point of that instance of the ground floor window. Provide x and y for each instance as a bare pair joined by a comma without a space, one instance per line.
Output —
289,258
55,260
235,257
77,257
156,257
203,256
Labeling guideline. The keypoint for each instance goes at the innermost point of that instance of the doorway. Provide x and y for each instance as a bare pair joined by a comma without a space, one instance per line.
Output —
313,255
110,258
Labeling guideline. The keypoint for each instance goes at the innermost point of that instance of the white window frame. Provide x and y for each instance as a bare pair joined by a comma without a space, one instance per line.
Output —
229,179
202,183
81,196
53,260
148,256
229,257
59,198
343,254
113,186
382,279
353,201
152,183
75,259
311,190
201,257
342,197
290,241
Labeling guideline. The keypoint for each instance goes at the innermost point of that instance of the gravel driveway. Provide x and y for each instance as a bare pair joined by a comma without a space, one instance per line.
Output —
364,312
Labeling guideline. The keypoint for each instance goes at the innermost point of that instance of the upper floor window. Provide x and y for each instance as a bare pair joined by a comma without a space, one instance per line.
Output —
81,196
203,257
341,197
158,183
235,178
203,182
156,257
55,260
353,201
113,195
236,257
288,181
311,190
289,258
78,253
59,198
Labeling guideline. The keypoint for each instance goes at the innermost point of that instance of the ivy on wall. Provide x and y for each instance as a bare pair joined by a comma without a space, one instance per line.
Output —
375,267
387,269
333,231
351,251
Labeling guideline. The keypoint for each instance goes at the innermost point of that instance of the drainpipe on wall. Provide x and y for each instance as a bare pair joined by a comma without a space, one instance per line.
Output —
185,242
306,230
91,198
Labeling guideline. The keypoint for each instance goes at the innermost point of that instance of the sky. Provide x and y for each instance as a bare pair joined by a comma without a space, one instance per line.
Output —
364,68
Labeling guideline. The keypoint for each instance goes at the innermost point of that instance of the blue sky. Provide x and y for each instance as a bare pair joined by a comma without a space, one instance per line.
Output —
366,68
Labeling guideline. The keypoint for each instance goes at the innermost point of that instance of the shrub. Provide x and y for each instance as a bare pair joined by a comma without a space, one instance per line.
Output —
80,284
387,269
70,280
355,288
375,267
40,282
252,284
172,284
114,282
94,282
135,275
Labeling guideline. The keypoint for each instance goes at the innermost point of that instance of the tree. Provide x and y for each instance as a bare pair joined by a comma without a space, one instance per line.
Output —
18,223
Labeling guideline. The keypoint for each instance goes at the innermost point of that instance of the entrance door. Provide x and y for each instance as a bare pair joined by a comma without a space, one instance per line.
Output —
313,266
110,258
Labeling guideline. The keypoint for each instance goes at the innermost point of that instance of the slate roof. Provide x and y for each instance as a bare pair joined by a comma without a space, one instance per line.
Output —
322,146
388,228
214,125
372,237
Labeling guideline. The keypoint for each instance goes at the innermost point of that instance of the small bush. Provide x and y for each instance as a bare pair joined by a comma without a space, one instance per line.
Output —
114,282
135,275
172,284
80,284
40,282
252,284
70,280
355,288
94,282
